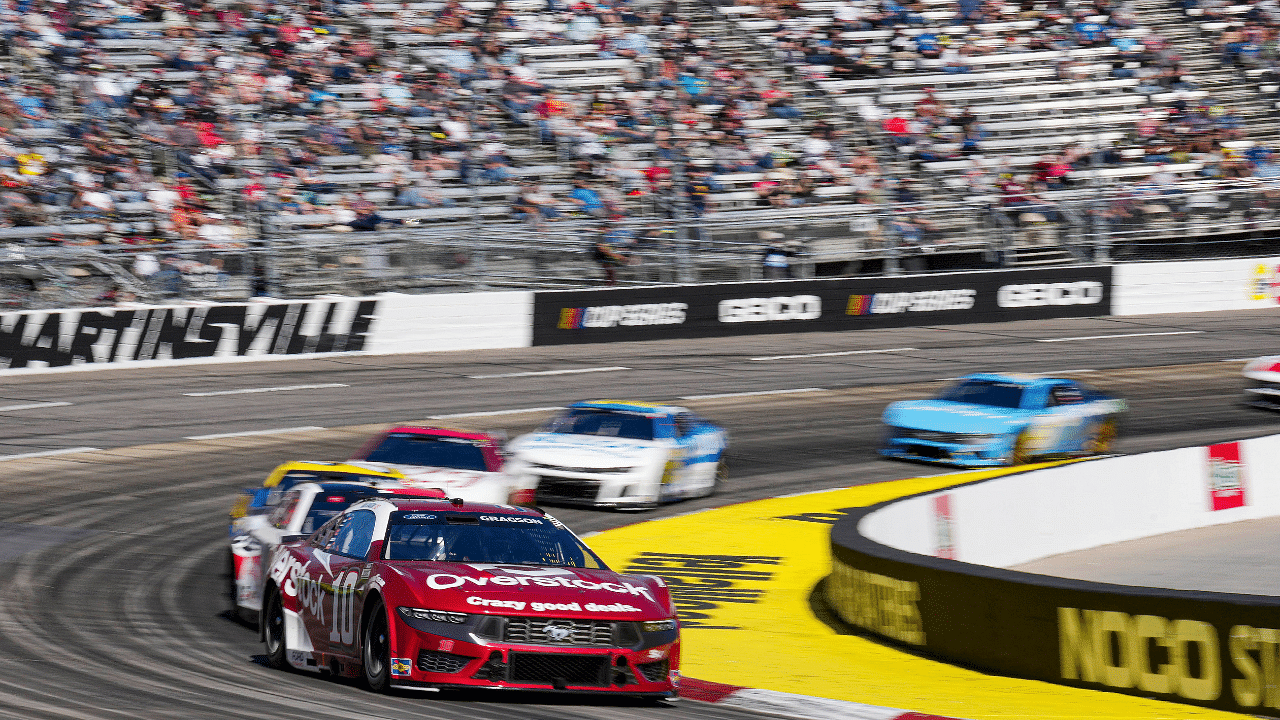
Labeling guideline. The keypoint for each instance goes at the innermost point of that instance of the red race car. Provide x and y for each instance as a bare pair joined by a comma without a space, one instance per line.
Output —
410,592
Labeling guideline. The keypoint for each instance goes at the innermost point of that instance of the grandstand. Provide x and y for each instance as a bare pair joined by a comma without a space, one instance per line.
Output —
222,149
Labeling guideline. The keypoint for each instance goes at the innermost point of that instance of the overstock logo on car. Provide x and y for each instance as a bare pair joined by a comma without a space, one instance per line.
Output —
1083,292
604,316
798,307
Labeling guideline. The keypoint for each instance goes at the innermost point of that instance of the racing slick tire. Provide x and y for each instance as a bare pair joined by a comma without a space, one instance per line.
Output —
232,591
722,476
1103,437
375,649
1021,452
273,630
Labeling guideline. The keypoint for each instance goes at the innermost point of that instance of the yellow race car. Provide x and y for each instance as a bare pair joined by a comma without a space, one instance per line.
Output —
256,501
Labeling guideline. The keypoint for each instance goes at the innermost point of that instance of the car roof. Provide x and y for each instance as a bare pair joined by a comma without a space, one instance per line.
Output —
1024,379
338,486
319,468
431,505
443,431
628,406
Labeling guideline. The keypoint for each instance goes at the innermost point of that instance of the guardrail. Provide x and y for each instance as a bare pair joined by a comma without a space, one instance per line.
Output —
928,572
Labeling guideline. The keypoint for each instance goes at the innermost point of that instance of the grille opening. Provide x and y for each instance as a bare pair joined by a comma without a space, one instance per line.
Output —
655,671
554,631
441,662
493,669
552,488
560,671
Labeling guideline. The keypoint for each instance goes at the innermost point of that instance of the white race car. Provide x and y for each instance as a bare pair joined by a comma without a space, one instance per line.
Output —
1262,382
620,455
292,514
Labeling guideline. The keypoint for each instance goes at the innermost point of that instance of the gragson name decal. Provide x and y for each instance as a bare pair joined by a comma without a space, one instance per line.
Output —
443,581
73,337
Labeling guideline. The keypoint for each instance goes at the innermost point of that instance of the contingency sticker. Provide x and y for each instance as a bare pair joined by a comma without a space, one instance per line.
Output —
401,667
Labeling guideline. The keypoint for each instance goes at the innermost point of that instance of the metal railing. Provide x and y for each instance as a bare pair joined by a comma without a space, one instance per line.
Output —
1191,220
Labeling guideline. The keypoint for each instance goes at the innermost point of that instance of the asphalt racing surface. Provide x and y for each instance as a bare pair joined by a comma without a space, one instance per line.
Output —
1238,557
112,599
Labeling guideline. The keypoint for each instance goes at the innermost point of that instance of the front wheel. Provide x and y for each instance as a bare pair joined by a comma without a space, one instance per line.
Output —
1022,450
1104,436
273,630
376,651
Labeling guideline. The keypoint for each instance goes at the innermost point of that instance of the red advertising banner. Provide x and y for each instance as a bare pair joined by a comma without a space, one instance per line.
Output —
943,527
1226,476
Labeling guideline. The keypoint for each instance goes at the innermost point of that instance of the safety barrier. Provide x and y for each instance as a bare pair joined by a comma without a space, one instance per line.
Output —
928,572
397,323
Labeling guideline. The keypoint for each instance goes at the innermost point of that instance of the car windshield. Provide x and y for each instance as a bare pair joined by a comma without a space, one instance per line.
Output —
482,538
609,423
986,392
327,504
430,451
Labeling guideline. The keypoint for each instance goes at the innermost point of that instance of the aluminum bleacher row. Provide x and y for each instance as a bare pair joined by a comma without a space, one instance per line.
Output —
1029,104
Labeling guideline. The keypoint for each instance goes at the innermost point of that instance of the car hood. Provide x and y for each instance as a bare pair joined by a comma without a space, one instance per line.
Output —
587,451
1263,368
489,589
947,416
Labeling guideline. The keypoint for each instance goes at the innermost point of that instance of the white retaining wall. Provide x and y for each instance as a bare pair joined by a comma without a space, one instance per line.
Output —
1019,518
1195,286
451,321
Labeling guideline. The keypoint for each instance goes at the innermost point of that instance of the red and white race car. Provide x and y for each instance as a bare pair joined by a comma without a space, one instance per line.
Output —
414,593
1262,382
464,464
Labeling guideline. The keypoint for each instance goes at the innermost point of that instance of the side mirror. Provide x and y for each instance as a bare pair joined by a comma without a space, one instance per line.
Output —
375,551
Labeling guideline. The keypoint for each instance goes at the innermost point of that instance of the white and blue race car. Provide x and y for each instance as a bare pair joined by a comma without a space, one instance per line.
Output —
625,455
994,419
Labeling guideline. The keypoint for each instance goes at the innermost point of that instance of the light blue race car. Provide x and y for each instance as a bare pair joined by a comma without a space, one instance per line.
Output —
991,419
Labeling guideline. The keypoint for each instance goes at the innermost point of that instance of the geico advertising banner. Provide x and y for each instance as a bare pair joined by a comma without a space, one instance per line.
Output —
40,339
691,311
1211,649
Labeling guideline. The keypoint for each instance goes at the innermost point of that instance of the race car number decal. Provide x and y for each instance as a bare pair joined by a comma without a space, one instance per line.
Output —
344,608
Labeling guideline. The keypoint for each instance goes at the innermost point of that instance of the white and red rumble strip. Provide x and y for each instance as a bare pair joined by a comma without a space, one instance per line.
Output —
772,702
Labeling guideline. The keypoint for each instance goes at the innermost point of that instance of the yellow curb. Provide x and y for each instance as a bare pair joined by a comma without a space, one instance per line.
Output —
743,576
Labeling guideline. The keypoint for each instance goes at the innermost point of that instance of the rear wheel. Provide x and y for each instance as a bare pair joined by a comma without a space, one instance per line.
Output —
273,630
722,476
1104,436
376,650
1021,453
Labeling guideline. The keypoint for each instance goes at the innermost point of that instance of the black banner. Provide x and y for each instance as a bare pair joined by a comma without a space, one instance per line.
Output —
1212,649
694,311
69,337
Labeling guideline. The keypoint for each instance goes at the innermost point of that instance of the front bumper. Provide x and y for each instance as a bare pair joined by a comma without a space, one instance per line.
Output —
424,660
1265,395
994,454
613,490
